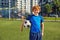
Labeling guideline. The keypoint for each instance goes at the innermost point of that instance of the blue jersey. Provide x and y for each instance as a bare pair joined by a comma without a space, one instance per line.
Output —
35,23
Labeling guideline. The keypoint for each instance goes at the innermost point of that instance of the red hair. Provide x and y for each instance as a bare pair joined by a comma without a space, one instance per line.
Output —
37,7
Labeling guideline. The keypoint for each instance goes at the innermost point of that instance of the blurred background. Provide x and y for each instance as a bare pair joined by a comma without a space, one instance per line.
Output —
17,8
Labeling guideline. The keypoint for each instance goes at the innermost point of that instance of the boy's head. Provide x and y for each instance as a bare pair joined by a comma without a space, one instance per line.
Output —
36,9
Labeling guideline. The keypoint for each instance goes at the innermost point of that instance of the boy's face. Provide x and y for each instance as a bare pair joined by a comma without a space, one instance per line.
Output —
36,11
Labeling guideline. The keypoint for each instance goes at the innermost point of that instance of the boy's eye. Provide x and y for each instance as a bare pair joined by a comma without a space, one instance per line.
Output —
35,10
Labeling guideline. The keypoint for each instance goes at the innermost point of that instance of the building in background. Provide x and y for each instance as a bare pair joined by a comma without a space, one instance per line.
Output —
23,6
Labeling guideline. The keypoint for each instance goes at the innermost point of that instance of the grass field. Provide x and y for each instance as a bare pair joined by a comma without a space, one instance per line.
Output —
51,18
10,30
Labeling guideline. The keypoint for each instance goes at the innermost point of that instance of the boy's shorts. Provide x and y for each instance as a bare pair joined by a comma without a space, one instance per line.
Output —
35,36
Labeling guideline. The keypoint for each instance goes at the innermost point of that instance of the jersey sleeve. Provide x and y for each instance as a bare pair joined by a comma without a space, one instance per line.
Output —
42,20
28,18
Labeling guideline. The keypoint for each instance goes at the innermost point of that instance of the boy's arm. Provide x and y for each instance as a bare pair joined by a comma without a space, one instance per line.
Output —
22,24
42,26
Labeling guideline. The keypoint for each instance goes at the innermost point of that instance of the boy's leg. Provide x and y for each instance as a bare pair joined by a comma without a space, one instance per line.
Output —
39,37
33,36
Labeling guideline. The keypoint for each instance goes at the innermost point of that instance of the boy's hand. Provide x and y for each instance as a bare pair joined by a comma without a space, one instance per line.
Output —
42,34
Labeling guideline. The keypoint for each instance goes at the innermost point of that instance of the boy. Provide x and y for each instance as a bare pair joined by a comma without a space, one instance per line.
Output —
37,25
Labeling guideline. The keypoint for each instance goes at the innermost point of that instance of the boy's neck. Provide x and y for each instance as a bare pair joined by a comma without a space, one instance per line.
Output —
36,14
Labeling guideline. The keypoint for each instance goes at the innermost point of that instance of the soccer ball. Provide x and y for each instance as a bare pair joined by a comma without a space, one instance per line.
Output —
27,24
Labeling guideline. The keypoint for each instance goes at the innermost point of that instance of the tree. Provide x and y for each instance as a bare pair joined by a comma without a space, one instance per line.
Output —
57,3
48,8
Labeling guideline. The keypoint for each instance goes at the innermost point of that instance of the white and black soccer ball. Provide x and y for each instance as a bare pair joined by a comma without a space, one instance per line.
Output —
27,24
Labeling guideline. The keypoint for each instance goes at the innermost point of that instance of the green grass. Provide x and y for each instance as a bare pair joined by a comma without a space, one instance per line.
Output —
45,18
52,31
10,30
51,18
